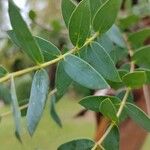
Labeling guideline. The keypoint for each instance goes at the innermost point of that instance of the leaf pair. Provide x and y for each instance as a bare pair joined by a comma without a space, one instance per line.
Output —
23,35
107,105
36,105
38,49
49,51
78,18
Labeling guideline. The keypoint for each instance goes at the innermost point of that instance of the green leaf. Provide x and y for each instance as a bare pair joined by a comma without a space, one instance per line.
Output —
93,102
138,38
16,111
116,36
13,38
5,93
118,85
106,16
147,72
94,6
3,71
138,116
79,24
67,7
100,60
49,50
111,142
128,21
106,43
118,54
23,34
141,56
135,79
38,96
80,144
53,112
84,74
108,109
62,81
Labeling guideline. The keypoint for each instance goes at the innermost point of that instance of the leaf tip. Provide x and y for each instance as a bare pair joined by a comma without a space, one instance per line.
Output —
18,137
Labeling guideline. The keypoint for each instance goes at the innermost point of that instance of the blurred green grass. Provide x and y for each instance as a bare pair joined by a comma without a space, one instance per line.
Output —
146,145
48,135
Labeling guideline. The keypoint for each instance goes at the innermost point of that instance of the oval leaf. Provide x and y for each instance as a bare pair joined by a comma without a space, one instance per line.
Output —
93,102
128,21
67,7
23,34
138,38
106,43
79,24
16,111
147,72
106,16
116,36
141,56
138,115
84,74
49,50
81,144
53,112
108,109
111,142
100,60
94,6
37,99
135,79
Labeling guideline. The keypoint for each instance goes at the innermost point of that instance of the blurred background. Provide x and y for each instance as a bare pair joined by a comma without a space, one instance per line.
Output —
45,20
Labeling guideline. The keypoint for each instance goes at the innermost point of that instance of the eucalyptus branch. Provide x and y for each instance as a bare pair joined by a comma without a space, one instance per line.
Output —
123,102
46,64
25,106
113,124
